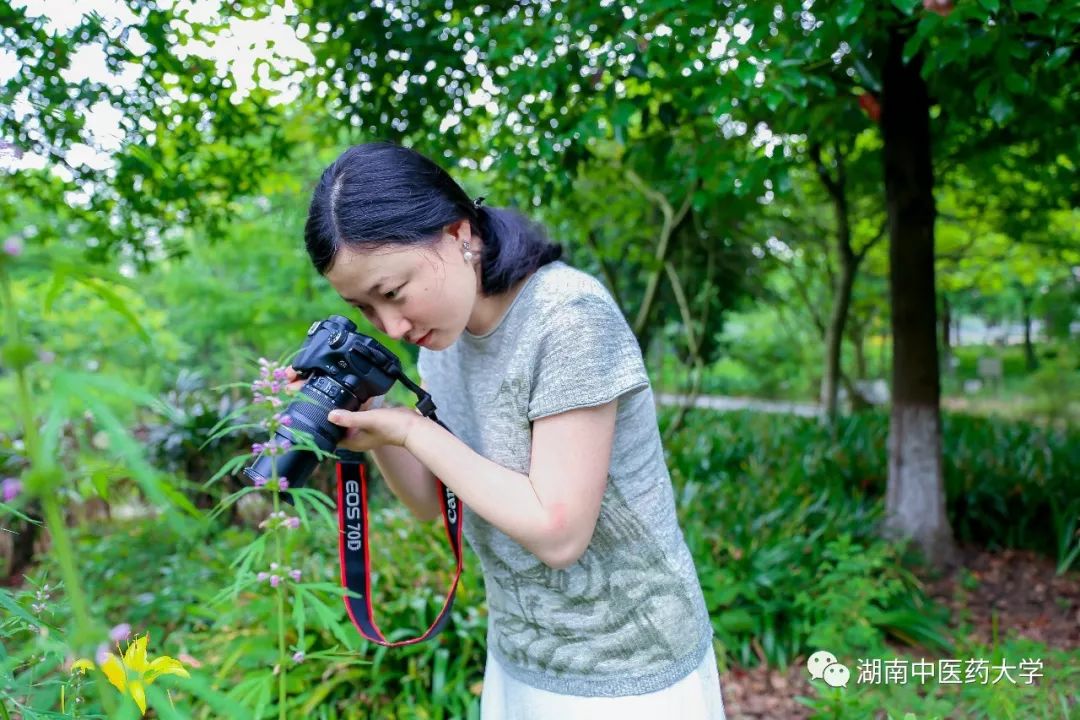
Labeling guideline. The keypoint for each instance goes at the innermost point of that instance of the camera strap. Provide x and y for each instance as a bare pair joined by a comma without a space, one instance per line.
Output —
355,558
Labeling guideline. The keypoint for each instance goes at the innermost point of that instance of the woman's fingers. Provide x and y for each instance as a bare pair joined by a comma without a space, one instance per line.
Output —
295,381
355,438
345,419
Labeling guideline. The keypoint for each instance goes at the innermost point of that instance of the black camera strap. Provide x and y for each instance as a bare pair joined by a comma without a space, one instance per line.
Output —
355,558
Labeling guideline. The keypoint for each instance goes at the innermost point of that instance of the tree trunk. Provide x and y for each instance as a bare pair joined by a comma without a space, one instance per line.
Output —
915,497
1029,347
845,279
857,336
834,335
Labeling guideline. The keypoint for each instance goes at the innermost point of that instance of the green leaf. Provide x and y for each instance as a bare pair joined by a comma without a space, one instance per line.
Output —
198,685
991,5
1001,109
911,47
850,14
1058,58
59,281
906,6
622,113
117,303
1017,83
1037,7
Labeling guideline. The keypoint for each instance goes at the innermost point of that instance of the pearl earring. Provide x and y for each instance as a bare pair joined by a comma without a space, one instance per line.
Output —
468,253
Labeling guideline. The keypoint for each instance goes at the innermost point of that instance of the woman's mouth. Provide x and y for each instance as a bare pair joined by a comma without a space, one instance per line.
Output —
422,340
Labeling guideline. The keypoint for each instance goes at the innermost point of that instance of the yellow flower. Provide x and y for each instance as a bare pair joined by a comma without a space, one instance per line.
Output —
133,674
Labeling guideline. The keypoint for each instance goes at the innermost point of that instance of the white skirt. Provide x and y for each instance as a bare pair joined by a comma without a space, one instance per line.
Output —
695,697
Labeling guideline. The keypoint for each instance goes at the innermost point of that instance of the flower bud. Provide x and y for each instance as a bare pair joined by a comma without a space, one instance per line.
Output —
120,632
10,488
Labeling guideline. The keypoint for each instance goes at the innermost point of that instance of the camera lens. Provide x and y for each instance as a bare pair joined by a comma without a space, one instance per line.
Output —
308,414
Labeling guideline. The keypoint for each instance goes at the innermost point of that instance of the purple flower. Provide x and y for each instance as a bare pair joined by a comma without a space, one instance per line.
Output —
263,576
102,654
260,482
13,246
10,487
274,581
298,656
257,448
46,356
285,420
120,633
283,483
292,523
295,575
280,374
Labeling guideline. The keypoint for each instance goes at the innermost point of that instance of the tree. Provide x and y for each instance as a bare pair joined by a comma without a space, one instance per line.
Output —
559,77
190,142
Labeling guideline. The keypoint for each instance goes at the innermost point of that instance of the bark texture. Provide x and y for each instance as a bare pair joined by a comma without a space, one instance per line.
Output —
915,499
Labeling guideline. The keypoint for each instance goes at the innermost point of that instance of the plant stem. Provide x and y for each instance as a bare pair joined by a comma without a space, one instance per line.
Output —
54,517
54,521
279,556
281,652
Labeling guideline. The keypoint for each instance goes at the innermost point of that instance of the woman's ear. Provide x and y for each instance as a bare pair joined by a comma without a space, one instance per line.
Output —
461,230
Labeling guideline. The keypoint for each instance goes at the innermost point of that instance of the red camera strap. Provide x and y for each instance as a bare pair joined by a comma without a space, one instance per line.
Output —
353,550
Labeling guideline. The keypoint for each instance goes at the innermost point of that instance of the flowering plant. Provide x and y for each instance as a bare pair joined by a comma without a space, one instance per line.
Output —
132,674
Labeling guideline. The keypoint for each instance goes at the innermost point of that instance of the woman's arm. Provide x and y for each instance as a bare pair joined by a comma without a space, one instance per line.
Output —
409,480
552,511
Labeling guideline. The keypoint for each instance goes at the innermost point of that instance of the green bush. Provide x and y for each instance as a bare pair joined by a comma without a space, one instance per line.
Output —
1007,483
782,533
780,520
772,508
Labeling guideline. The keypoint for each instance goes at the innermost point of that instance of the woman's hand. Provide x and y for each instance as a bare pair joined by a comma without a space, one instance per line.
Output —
368,429
371,426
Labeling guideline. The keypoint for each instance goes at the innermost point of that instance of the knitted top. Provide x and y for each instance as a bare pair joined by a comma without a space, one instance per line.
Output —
629,616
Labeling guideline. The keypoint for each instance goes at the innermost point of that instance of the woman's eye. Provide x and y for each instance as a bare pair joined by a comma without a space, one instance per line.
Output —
391,294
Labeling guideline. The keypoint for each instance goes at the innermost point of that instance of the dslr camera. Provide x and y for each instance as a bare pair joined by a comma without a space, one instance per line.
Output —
344,369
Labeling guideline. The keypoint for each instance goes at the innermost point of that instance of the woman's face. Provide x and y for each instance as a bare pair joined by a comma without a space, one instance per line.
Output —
425,295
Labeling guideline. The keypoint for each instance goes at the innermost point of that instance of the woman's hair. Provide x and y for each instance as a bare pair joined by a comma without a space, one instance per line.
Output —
380,194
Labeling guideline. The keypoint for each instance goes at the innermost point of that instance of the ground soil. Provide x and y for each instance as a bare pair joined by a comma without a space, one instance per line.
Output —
1019,587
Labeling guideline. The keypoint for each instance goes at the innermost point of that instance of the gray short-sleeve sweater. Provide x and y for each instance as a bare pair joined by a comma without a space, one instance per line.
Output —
629,617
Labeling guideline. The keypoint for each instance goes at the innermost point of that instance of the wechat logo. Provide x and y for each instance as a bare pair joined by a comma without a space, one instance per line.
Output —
822,665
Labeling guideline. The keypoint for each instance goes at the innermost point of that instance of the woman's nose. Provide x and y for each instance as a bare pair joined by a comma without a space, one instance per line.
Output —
396,326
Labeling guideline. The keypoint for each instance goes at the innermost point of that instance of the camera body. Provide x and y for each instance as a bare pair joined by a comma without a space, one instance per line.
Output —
344,369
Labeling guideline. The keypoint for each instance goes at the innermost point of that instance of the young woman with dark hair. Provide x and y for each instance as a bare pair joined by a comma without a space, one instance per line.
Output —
595,608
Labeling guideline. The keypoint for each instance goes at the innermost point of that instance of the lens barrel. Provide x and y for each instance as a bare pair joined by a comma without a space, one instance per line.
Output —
307,413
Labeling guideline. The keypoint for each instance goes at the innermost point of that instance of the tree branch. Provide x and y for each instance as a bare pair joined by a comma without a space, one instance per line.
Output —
609,273
672,220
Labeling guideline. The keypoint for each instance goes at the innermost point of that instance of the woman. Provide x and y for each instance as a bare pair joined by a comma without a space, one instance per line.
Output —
594,604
